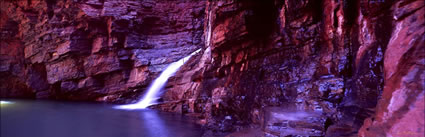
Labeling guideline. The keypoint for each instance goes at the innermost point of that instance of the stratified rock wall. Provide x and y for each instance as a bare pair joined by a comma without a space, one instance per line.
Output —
287,67
401,110
105,50
308,56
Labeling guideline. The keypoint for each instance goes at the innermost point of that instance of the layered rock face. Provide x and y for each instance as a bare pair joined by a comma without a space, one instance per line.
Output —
287,67
103,50
401,110
325,64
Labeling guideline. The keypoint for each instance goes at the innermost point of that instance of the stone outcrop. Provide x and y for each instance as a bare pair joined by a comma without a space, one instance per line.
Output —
285,122
401,110
331,68
319,57
103,50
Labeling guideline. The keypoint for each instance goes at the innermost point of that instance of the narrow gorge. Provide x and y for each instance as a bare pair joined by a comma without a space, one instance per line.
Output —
265,68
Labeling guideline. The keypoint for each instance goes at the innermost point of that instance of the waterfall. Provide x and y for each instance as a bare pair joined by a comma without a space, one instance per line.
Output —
209,27
154,89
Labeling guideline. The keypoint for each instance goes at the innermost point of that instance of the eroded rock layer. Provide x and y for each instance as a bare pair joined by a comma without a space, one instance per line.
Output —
333,58
103,50
287,67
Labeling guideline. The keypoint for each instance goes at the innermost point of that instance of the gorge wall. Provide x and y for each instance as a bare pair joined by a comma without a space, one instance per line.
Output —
330,60
338,67
93,49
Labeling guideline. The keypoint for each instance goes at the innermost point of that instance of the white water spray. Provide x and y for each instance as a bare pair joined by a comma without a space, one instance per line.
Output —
154,90
209,27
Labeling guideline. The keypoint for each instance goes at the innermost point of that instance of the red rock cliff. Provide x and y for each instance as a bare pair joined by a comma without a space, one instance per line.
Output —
287,67
331,60
103,50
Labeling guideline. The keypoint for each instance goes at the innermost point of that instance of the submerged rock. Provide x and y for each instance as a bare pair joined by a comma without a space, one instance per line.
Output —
287,121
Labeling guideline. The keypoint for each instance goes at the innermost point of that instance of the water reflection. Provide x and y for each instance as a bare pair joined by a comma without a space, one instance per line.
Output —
5,102
64,119
155,124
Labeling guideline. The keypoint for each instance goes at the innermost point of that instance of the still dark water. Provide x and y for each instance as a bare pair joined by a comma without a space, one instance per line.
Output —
25,118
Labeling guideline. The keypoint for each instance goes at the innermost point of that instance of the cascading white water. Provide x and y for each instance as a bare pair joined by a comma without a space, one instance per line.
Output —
154,89
209,27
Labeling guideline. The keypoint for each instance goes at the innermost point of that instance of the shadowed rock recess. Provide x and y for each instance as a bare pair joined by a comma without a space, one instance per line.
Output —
287,67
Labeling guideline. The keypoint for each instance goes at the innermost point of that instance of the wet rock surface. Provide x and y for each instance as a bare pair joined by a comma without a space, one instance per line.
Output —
286,121
324,57
340,68
102,50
